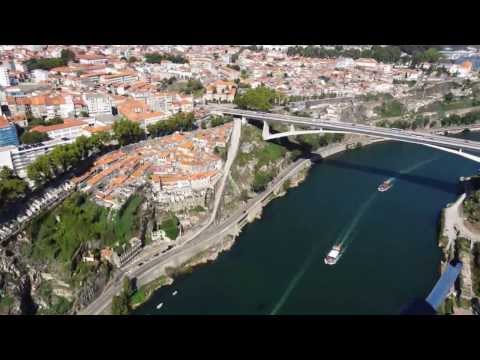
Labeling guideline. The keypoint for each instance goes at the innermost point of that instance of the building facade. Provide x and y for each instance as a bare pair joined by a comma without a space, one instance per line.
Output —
4,77
98,104
21,156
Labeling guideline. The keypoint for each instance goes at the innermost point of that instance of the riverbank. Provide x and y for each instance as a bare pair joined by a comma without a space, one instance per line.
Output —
294,180
456,241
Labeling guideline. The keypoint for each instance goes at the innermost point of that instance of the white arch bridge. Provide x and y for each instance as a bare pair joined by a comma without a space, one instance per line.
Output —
452,145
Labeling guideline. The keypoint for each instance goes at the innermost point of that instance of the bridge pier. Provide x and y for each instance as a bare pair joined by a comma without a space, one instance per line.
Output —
266,135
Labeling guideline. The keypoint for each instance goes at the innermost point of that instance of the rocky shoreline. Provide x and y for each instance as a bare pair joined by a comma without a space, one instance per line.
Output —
456,241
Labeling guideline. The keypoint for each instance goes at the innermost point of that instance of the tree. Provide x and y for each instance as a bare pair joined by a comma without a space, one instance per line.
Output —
83,146
261,180
156,58
67,55
192,85
60,159
234,67
99,140
386,54
430,55
12,188
178,122
448,97
127,132
261,98
43,167
56,120
120,305
219,120
128,287
33,137
64,157
44,63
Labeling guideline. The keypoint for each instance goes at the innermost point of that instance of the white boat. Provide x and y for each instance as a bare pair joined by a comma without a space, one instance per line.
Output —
159,306
332,256
387,184
175,293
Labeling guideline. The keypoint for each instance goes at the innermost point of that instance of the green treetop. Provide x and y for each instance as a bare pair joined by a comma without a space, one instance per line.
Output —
261,98
126,131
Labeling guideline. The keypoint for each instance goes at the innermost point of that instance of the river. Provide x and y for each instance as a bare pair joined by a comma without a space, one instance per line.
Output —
391,256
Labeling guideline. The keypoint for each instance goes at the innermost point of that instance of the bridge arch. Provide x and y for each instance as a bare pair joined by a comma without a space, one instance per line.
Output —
293,132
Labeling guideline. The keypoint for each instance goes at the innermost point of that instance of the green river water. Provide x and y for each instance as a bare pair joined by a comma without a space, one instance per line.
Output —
391,256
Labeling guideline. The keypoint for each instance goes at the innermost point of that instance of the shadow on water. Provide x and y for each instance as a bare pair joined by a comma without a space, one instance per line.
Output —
445,186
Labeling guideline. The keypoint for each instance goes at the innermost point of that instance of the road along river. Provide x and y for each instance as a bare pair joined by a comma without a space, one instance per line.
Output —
390,252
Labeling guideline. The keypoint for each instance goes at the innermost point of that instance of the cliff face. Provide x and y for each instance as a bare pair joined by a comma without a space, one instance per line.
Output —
257,163
15,287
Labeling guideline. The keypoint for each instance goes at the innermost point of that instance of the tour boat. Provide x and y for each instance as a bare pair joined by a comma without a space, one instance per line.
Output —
387,184
159,306
175,293
333,255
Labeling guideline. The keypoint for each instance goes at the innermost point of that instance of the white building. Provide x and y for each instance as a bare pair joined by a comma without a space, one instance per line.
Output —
39,75
70,129
19,66
160,102
98,104
343,63
462,70
19,157
282,48
366,63
4,77
92,59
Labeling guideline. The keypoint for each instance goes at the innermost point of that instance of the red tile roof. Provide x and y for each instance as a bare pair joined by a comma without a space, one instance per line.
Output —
3,122
66,124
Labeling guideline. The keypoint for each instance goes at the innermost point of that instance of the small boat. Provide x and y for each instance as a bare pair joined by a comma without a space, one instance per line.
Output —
159,306
387,184
333,256
175,293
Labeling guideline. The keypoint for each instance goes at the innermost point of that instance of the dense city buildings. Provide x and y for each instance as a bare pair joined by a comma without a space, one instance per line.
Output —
138,161
178,168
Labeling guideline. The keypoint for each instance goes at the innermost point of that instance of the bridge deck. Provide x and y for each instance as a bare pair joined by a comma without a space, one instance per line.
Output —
416,137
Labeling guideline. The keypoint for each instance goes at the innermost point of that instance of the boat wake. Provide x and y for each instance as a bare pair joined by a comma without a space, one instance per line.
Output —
344,240
419,165
298,276
346,237
413,168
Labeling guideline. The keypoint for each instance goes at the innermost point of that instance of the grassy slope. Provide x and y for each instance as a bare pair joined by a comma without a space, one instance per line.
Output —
81,220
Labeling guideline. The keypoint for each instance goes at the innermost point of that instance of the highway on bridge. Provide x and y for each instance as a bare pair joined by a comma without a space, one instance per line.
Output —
416,137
